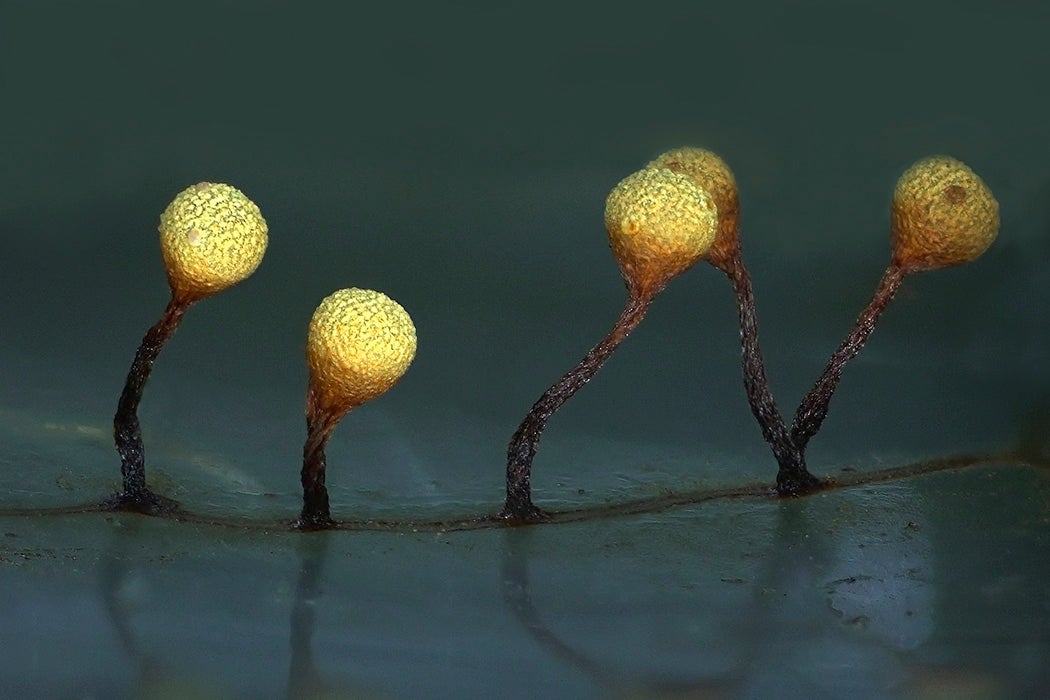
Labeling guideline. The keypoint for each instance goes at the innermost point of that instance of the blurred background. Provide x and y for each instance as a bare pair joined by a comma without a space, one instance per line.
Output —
456,156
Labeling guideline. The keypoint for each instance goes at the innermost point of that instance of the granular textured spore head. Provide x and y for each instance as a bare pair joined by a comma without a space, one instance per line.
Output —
943,214
660,223
212,237
360,342
713,175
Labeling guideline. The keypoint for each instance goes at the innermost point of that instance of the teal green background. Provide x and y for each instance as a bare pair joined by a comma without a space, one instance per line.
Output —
457,157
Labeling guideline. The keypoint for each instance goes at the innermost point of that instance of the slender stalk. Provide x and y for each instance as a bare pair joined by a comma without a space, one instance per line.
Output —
814,407
127,433
522,448
320,423
793,478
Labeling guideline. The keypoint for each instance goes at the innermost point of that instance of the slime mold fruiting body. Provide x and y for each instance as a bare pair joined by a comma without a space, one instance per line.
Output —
659,224
682,207
942,215
360,342
212,237
711,172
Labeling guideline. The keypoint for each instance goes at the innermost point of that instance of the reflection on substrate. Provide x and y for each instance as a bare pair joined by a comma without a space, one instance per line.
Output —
847,597
840,611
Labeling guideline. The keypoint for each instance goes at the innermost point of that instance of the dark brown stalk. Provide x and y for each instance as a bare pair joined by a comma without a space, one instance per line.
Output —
522,448
814,407
320,423
793,479
135,495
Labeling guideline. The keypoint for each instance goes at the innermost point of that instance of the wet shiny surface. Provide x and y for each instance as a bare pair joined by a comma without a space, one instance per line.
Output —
890,591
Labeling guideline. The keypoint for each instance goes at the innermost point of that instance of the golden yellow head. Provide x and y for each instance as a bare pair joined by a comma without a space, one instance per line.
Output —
943,214
359,344
212,237
660,223
713,175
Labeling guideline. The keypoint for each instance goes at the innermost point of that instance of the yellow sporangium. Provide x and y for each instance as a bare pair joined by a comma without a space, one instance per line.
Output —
713,175
359,344
943,215
659,224
212,237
